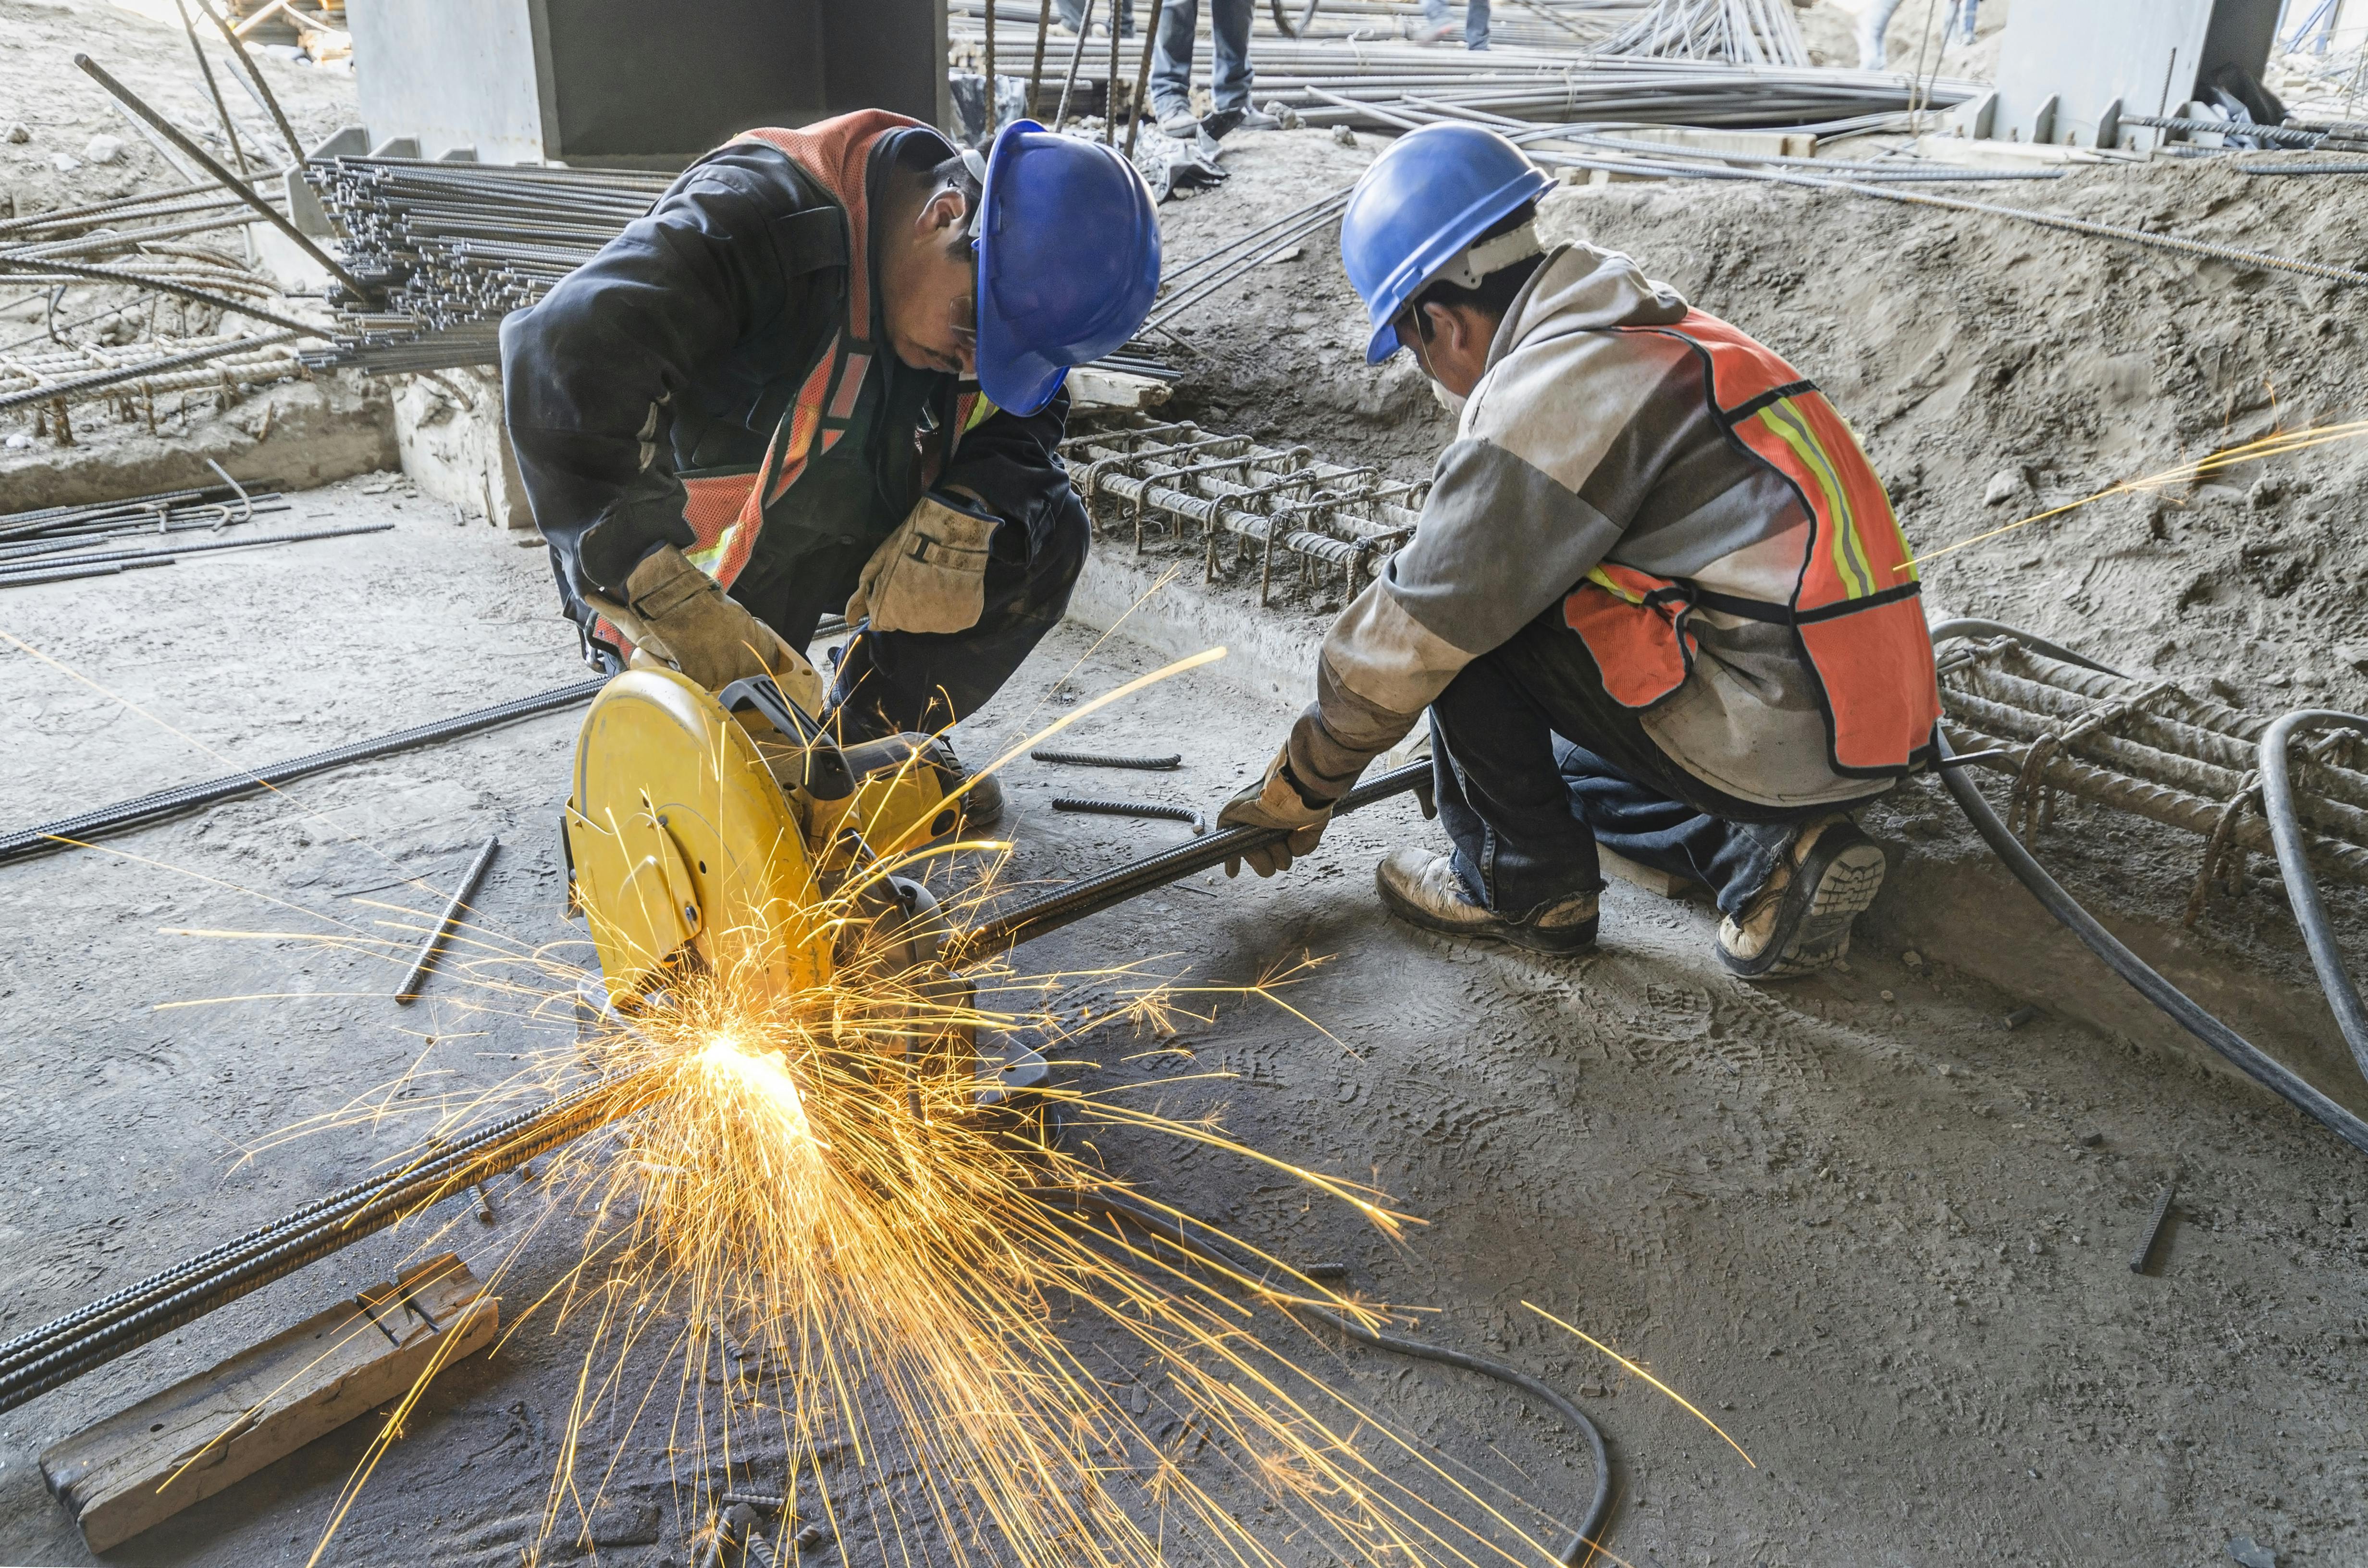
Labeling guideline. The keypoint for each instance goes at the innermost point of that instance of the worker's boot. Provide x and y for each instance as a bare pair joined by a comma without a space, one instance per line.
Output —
982,804
1176,120
1420,887
1800,922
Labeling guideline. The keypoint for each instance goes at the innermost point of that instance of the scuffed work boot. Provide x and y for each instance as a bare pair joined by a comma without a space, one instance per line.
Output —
1420,887
1800,923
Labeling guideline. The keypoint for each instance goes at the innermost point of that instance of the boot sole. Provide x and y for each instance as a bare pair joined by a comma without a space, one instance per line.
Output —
1827,897
1559,943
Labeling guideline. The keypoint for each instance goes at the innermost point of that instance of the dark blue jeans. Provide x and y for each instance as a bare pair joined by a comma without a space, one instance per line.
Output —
1536,764
894,681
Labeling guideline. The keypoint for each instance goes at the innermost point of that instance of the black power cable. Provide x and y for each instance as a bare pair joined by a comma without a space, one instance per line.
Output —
1178,1232
2294,862
2175,1004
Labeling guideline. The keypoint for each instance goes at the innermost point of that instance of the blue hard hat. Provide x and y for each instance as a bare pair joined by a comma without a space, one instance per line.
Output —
1418,207
1068,261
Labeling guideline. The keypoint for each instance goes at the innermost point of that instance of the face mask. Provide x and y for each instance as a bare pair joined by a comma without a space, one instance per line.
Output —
1445,399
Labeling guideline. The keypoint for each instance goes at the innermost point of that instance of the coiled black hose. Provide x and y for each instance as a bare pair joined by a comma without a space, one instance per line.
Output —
1177,1232
2175,1004
2294,862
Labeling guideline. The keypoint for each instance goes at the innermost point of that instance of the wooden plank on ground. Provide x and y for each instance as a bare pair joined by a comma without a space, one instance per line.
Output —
1106,389
141,1466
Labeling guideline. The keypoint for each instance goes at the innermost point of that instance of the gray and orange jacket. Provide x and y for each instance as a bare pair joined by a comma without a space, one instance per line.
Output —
722,341
1691,512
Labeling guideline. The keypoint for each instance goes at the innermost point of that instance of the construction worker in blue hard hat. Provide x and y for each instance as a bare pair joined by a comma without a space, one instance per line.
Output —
1656,599
825,372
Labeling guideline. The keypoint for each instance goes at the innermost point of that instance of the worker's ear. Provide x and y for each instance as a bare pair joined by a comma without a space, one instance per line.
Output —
945,211
1471,330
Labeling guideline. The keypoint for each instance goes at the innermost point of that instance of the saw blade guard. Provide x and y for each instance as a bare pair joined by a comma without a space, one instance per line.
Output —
683,848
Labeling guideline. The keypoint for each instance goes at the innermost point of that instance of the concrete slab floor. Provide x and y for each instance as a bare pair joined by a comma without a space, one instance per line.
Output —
1880,1239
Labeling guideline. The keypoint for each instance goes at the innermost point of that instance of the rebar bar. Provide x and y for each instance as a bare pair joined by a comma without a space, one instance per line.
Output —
140,557
1151,810
230,182
70,832
1167,764
454,908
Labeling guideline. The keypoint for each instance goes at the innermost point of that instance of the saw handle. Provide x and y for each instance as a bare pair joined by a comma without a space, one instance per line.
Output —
828,776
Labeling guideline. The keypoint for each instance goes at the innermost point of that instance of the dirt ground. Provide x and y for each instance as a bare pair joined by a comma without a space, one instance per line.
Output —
1877,1236
1880,1238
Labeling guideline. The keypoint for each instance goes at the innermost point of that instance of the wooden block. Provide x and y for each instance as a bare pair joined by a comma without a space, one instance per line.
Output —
1782,144
1105,390
141,1466
1644,877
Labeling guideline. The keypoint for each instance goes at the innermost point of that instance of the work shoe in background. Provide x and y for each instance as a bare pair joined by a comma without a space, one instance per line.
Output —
1420,887
1800,923
1176,120
1259,119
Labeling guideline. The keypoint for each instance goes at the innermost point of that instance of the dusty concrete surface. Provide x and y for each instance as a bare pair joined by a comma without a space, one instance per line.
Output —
1880,1239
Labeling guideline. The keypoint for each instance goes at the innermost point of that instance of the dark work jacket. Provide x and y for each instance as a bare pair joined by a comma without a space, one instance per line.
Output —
678,349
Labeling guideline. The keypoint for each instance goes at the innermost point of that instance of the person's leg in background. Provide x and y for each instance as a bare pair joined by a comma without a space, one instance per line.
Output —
1437,21
1171,63
1229,22
1476,23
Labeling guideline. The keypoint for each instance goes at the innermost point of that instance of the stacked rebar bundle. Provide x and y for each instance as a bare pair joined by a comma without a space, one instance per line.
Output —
1553,83
136,374
1168,483
1743,32
455,247
2144,747
53,530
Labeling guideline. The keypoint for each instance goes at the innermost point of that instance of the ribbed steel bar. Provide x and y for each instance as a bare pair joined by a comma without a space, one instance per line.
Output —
70,1346
1043,915
75,386
68,832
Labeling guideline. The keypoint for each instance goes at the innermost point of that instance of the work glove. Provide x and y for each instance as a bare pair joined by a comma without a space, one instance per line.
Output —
931,574
680,618
1275,801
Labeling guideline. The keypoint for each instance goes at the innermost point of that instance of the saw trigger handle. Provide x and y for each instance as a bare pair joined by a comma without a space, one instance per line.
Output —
827,776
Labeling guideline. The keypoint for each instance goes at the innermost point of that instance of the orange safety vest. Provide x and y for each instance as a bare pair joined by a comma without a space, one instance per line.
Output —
1852,601
727,508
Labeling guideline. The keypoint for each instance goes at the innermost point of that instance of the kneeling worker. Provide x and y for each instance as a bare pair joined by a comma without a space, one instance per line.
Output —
756,405
1656,599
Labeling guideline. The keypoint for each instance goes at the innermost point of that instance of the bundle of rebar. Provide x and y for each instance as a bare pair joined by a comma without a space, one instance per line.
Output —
1175,485
73,373
454,247
1539,83
29,537
1742,32
2145,748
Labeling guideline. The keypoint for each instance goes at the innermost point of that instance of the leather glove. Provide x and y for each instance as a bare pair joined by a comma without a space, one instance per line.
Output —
1275,801
679,617
931,574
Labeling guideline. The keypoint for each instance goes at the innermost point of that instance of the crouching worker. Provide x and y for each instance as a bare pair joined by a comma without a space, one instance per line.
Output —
825,372
1657,600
